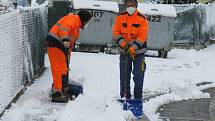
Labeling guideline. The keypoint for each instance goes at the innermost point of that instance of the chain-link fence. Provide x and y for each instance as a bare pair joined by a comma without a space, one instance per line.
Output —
22,35
10,57
34,33
210,23
23,3
184,24
193,24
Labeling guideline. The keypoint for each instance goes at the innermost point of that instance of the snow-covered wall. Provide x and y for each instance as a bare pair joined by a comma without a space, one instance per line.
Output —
22,35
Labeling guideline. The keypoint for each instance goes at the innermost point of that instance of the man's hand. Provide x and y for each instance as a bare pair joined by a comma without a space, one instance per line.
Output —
66,43
131,52
126,47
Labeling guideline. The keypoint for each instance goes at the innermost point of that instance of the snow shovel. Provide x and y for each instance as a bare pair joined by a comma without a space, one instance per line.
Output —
75,88
133,105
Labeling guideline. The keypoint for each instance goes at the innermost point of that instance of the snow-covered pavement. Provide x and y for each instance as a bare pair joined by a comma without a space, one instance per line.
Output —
177,76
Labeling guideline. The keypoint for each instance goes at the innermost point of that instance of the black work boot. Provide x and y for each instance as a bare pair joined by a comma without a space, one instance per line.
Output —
59,97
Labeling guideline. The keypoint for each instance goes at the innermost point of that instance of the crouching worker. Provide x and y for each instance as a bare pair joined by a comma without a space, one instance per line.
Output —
60,41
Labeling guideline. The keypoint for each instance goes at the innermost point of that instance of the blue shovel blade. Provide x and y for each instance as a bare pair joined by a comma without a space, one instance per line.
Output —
134,105
75,89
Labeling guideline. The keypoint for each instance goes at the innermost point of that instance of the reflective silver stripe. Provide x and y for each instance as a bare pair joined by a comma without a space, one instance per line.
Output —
130,43
61,28
60,39
135,46
140,51
118,36
55,36
57,24
139,42
64,29
65,37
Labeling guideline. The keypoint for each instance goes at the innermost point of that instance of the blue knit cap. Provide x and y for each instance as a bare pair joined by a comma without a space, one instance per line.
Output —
134,1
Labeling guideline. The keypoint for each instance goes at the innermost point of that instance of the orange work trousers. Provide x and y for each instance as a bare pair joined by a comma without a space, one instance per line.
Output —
58,65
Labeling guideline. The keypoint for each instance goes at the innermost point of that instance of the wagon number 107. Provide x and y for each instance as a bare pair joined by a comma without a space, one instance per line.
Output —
97,14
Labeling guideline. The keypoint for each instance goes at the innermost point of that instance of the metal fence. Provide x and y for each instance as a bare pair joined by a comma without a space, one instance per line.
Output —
23,3
10,57
210,23
34,23
194,25
22,35
184,24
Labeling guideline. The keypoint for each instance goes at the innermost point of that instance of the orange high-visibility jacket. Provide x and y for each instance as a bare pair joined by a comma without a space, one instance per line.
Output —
66,28
131,30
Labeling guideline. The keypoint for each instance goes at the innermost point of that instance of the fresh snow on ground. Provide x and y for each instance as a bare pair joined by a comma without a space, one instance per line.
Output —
177,76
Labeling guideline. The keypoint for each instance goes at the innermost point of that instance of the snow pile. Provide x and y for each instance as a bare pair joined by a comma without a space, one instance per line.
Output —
179,74
36,104
34,3
92,109
157,9
96,5
4,3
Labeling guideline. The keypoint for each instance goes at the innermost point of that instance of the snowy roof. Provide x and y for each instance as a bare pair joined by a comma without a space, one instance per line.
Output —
157,9
96,5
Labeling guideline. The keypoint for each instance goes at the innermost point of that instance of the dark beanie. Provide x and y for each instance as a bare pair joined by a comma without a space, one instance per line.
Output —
84,15
134,1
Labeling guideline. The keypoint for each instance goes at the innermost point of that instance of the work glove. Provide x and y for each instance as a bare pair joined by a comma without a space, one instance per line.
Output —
126,47
66,43
131,52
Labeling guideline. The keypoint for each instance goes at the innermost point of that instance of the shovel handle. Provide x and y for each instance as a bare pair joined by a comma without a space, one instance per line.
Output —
126,79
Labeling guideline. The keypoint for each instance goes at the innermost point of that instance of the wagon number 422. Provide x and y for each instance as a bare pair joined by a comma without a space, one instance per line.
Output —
154,18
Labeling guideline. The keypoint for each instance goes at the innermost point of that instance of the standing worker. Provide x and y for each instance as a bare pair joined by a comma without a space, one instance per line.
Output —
60,41
130,33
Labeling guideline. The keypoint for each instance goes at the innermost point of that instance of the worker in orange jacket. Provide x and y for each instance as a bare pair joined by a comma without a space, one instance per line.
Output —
130,33
60,41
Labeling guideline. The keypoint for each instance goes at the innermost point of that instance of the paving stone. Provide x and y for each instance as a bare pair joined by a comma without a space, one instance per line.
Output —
190,110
